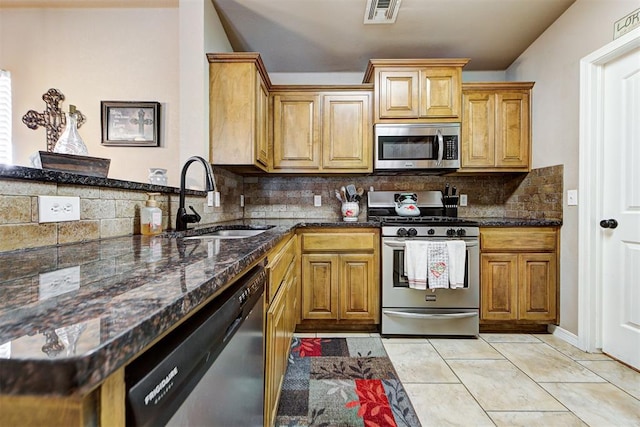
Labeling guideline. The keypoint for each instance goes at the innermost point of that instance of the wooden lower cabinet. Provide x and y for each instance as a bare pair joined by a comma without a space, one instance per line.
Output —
340,280
519,275
280,322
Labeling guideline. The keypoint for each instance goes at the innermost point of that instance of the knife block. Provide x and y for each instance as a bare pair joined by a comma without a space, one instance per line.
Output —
450,204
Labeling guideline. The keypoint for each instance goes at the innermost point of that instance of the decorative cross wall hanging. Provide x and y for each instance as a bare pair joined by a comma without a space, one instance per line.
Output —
52,118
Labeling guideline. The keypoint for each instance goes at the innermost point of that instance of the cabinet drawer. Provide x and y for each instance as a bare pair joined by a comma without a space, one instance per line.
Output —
279,265
518,239
338,242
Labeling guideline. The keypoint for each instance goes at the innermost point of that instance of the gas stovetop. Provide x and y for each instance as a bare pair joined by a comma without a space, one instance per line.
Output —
381,207
423,220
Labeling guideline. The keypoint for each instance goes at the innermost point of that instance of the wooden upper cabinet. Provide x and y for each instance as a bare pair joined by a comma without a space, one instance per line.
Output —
440,93
398,94
346,132
296,131
238,104
496,132
418,90
263,154
322,130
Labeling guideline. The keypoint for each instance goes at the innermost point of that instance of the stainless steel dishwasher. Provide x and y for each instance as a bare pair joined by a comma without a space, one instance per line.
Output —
210,370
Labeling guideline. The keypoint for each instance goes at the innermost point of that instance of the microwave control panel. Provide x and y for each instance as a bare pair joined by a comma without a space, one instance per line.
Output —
450,148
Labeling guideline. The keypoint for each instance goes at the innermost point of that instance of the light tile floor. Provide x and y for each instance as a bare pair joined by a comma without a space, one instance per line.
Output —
512,380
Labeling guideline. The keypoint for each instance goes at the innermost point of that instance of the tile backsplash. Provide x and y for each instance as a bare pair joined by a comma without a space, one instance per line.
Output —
535,195
110,212
104,212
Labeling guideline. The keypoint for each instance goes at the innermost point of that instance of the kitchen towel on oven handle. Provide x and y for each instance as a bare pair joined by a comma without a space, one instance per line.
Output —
415,263
457,255
437,265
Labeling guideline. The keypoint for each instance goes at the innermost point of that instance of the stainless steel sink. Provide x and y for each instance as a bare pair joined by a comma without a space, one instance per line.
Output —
240,233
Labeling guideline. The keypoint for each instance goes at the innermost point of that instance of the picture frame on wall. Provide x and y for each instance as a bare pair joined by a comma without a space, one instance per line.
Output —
130,123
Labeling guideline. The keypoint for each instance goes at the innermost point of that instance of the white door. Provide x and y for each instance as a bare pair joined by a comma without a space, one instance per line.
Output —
609,258
621,208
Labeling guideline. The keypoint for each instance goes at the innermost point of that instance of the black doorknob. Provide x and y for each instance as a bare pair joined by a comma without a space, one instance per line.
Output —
608,223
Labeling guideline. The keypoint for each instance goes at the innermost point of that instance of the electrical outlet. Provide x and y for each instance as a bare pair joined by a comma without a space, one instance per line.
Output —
317,200
59,282
463,200
572,197
242,200
210,198
216,199
58,208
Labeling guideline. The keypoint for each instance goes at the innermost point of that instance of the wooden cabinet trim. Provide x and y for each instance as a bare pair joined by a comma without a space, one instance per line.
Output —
518,239
338,242
278,265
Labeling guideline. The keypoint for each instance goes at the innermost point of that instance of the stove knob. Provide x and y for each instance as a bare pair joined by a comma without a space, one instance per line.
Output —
451,232
413,232
401,232
461,232
431,232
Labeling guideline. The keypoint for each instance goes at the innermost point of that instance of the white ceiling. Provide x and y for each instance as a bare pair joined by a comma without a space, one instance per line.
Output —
330,36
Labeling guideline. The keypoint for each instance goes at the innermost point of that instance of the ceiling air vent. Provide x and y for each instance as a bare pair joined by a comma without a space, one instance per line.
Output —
381,11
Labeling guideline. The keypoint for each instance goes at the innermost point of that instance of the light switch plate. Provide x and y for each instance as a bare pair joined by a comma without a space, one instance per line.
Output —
58,208
317,200
572,197
216,199
210,198
242,200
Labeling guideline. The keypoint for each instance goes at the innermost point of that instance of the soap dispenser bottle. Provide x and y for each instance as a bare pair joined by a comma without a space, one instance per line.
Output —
151,217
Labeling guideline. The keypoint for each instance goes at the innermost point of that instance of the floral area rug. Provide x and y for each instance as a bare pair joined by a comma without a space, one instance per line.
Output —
343,382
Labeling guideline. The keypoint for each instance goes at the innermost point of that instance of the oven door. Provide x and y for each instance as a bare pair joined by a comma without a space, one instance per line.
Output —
397,293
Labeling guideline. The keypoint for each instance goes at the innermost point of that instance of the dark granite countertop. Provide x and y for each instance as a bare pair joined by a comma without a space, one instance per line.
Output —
67,178
73,314
517,222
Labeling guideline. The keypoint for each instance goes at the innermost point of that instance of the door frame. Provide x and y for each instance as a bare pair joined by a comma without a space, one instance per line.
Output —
591,171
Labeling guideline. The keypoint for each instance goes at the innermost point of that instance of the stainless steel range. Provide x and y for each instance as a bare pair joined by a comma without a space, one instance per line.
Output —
425,312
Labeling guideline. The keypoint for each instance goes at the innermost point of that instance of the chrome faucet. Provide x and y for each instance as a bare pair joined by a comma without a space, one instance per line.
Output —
183,218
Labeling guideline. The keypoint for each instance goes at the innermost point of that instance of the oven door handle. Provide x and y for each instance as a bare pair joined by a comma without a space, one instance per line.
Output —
429,316
400,244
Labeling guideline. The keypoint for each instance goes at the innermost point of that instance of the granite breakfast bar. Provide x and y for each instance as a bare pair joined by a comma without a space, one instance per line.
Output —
66,338
72,316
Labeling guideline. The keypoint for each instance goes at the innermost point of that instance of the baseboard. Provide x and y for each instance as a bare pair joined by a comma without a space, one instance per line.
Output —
563,334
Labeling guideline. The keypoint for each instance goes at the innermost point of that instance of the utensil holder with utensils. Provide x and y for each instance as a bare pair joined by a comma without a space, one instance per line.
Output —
350,197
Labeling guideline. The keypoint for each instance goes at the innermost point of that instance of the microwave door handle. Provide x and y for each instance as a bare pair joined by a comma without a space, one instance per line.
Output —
440,147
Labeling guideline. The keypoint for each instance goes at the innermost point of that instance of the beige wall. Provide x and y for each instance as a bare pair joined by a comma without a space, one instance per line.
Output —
553,62
92,55
129,54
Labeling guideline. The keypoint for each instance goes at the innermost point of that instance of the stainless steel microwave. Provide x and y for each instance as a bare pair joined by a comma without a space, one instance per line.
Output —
417,146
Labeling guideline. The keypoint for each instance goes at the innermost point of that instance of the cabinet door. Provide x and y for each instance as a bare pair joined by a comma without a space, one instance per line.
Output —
478,136
262,124
320,286
537,286
276,347
296,132
440,94
346,132
512,130
398,94
499,290
358,289
232,112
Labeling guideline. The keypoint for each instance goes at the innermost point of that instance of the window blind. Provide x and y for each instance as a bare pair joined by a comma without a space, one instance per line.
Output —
5,117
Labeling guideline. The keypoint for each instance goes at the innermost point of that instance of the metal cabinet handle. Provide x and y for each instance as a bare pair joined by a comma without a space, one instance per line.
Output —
609,223
428,316
400,244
